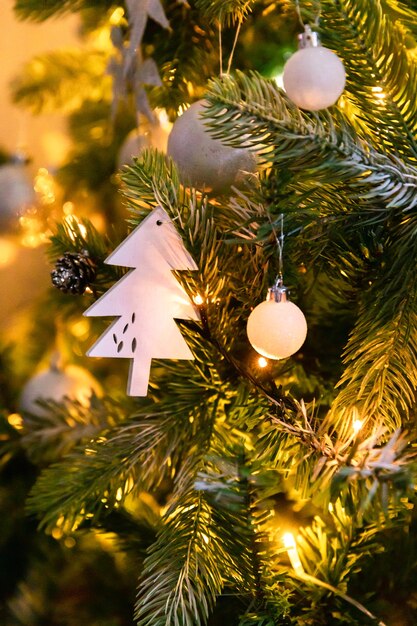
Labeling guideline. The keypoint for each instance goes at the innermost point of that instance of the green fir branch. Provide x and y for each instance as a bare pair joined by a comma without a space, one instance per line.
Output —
35,11
373,48
380,379
62,80
181,64
225,11
60,426
315,147
181,576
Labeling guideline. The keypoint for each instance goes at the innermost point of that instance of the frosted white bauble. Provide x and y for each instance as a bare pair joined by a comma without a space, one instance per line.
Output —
277,329
314,78
55,383
204,162
16,193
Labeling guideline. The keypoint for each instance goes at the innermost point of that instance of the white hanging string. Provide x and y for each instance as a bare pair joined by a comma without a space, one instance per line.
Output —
229,65
280,245
300,18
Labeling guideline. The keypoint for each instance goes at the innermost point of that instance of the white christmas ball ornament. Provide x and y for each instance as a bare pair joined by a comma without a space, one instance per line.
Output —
314,77
202,161
277,329
57,384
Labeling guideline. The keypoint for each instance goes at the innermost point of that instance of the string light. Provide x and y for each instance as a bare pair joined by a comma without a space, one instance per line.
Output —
80,329
117,16
357,425
262,362
68,208
69,542
198,300
378,93
15,420
291,546
279,79
44,186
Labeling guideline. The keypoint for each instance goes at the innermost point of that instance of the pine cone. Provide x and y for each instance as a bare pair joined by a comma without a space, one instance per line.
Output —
73,273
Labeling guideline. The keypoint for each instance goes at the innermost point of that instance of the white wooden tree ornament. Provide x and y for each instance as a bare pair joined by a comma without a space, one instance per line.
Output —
147,300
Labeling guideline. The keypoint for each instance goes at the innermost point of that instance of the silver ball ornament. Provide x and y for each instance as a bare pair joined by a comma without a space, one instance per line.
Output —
202,161
57,384
276,329
314,76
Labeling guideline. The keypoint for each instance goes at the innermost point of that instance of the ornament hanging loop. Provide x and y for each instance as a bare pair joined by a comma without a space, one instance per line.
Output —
280,245
308,39
300,18
278,291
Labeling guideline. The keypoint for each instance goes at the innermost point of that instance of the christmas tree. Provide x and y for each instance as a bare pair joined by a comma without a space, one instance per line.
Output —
265,481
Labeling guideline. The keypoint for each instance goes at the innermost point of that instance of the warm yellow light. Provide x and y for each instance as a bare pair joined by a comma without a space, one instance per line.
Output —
68,208
15,420
356,426
45,186
163,119
262,362
198,300
116,16
279,79
69,542
57,533
291,546
80,329
288,540
378,93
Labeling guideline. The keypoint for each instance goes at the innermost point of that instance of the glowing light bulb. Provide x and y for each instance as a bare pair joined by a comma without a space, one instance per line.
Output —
378,93
291,546
15,420
262,362
356,426
198,300
68,208
279,79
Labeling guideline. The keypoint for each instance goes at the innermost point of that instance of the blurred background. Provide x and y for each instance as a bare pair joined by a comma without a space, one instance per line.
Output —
43,141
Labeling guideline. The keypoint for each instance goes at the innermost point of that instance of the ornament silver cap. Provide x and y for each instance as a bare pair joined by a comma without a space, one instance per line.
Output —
278,292
308,39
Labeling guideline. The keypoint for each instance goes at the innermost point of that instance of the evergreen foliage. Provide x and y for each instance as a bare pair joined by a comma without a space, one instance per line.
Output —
199,480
